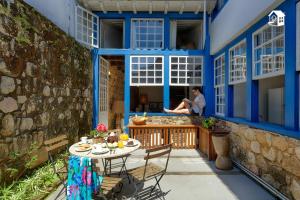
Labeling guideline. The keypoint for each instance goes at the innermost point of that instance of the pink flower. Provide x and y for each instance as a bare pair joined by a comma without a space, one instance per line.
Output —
101,128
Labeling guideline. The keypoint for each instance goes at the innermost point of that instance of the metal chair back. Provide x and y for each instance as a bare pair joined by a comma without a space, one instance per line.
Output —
158,152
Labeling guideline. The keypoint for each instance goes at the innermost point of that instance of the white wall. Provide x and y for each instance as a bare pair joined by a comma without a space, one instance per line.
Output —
264,85
240,101
60,12
235,17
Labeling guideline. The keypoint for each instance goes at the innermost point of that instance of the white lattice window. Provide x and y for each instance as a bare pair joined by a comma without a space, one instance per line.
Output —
146,70
237,59
186,70
219,77
147,33
268,52
86,27
104,67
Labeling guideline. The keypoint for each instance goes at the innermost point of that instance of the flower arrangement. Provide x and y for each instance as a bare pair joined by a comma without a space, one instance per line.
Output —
99,132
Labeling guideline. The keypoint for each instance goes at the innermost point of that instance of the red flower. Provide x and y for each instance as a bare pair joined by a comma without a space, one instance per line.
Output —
101,128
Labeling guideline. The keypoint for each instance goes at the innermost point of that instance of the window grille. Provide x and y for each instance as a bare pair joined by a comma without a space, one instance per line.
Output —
219,65
237,60
147,34
186,70
268,52
86,27
146,70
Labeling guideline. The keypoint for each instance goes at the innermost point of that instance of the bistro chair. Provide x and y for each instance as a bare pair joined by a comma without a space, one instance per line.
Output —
54,146
150,170
109,183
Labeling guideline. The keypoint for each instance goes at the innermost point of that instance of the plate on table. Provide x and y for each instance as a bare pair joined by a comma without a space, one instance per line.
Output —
98,151
83,148
131,143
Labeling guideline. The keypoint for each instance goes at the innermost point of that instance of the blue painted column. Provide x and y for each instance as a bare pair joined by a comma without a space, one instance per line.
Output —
299,101
291,79
127,90
228,89
208,77
127,32
127,72
166,62
166,82
95,63
166,32
251,85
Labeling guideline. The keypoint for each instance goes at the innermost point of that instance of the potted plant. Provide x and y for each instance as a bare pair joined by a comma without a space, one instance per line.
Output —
205,137
209,123
99,133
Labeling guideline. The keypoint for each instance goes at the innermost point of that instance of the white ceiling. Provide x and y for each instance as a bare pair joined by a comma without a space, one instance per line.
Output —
136,6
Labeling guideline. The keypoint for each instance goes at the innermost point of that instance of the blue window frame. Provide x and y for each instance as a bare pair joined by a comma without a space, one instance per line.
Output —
147,33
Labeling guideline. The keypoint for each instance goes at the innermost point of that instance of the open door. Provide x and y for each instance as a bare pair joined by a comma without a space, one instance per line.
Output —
103,91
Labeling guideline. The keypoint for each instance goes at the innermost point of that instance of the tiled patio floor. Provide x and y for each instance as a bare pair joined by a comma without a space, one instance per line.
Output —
190,176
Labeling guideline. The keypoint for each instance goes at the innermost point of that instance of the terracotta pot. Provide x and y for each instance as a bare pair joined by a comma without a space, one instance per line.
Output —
221,144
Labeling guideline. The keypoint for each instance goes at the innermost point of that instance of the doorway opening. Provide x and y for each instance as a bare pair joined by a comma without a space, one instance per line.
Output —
111,91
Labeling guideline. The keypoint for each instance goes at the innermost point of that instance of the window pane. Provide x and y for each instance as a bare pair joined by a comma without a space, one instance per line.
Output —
237,69
186,72
147,33
144,71
268,56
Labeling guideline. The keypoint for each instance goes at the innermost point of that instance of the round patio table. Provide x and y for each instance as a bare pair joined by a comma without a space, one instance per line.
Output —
118,152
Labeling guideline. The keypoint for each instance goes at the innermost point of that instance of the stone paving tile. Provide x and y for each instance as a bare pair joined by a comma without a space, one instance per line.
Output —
192,177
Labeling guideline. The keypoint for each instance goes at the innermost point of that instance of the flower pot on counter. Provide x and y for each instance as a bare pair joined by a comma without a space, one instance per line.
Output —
221,145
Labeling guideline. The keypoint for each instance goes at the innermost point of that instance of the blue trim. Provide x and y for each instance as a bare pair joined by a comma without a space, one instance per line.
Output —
217,10
208,77
149,52
166,83
95,58
291,78
127,90
167,32
127,32
251,85
171,15
264,126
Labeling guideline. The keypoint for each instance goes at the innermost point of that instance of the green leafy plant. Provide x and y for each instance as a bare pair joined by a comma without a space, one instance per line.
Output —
209,122
36,186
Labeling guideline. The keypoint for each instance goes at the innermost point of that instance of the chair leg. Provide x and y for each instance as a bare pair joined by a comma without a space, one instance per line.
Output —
124,169
157,183
135,194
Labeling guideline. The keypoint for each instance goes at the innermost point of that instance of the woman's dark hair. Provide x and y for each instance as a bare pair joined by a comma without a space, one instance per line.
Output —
197,88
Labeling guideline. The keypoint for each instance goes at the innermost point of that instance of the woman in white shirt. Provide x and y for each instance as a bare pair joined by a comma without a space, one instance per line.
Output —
194,107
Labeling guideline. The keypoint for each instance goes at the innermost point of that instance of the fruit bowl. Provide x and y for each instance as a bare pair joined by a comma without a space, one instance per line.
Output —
139,120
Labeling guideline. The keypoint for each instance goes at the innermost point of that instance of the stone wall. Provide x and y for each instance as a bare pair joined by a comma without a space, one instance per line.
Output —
273,157
45,81
115,92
